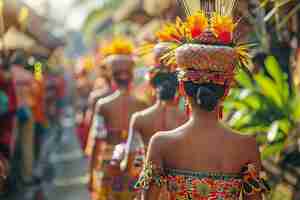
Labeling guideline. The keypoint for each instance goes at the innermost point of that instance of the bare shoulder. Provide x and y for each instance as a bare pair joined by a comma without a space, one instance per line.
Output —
136,119
158,142
168,138
96,95
105,102
238,137
247,145
146,113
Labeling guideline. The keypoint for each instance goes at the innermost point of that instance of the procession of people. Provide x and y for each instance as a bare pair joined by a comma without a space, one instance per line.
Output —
162,152
149,118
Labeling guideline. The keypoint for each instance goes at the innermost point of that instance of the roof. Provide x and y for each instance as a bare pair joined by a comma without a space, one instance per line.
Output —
35,27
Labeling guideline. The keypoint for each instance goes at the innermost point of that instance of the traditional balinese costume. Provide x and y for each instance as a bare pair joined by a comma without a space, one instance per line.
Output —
158,51
205,51
115,183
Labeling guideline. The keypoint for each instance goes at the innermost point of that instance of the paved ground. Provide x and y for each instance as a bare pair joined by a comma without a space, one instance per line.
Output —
69,166
62,166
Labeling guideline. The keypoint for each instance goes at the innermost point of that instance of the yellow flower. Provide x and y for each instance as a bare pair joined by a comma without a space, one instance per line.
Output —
119,45
88,63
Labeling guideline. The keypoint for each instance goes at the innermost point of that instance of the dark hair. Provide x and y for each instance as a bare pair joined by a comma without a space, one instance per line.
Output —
166,85
206,95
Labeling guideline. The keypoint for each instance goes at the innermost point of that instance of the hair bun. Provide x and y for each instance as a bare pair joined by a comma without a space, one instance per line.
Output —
206,98
167,90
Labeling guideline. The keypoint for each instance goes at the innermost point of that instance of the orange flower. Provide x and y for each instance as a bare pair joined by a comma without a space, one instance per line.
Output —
223,27
197,24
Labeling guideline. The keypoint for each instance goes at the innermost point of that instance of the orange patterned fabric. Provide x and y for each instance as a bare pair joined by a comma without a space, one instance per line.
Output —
186,185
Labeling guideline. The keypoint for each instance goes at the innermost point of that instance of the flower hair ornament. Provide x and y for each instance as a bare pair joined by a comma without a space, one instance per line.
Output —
119,51
158,49
204,47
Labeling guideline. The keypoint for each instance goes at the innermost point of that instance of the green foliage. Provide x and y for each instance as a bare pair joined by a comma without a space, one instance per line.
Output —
99,15
266,106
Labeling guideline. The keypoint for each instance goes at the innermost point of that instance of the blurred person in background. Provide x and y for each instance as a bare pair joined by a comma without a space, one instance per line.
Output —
102,88
8,109
111,124
162,116
84,86
24,156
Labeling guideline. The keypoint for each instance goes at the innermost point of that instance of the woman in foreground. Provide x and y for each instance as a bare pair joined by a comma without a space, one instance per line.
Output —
203,160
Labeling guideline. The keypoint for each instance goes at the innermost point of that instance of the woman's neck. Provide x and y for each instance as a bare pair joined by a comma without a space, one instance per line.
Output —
201,118
124,91
163,104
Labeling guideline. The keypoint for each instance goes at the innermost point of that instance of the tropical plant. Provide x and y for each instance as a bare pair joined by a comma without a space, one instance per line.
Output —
265,105
99,16
281,11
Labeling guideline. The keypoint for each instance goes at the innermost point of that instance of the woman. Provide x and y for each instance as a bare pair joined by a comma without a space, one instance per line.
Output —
102,88
164,114
111,123
202,159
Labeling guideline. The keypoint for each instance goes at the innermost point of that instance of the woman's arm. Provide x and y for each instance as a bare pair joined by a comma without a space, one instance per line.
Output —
95,164
132,127
100,132
152,186
88,120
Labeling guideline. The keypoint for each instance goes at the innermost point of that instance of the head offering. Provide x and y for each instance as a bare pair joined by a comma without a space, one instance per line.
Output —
205,51
118,57
161,75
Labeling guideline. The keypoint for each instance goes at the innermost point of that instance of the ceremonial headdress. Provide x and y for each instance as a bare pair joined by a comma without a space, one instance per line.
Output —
204,46
118,52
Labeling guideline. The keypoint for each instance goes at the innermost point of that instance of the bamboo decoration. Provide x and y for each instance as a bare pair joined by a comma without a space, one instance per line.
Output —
221,7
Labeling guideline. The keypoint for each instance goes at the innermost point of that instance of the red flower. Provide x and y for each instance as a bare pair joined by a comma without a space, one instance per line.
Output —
225,37
196,31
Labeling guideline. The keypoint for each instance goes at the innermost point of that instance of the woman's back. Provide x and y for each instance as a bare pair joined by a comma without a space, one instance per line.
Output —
156,119
218,151
194,163
117,111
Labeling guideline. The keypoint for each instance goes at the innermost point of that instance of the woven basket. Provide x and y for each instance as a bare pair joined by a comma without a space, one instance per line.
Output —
206,57
119,61
160,50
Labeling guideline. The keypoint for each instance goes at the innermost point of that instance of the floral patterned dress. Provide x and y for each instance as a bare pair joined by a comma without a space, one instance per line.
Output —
186,185
114,183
